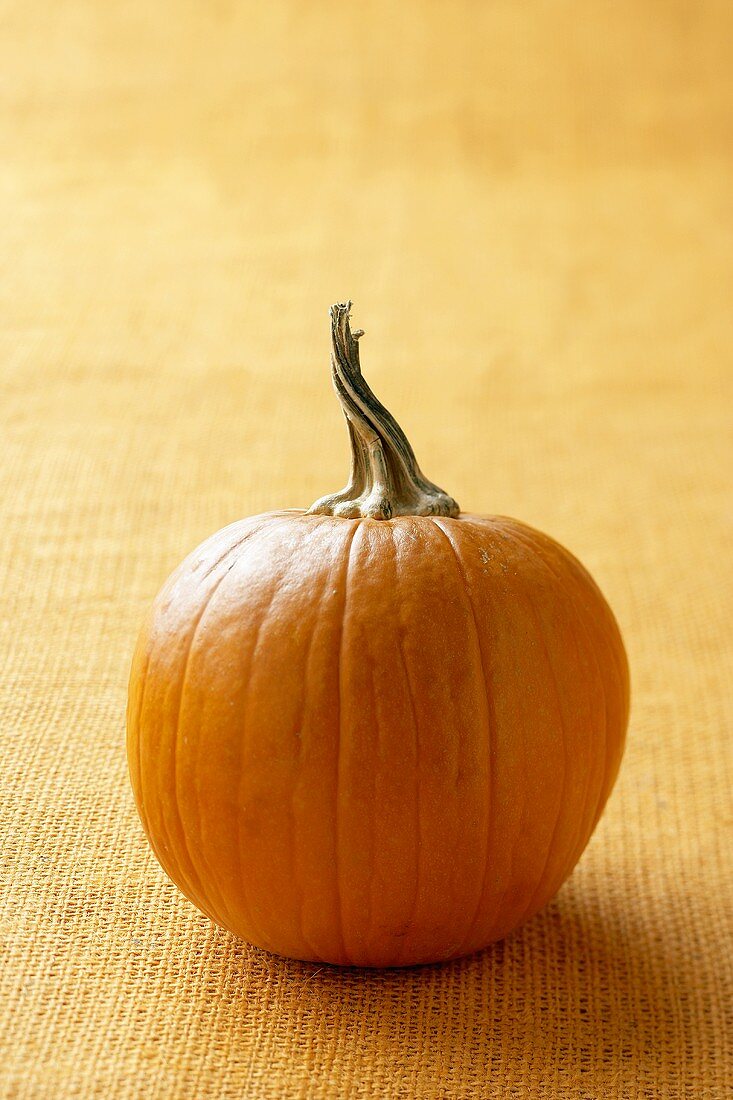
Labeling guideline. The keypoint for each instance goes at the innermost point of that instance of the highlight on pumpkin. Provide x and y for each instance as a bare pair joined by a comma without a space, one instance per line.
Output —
375,743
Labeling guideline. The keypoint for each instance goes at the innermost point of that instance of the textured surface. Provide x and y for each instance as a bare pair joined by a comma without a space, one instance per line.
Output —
547,199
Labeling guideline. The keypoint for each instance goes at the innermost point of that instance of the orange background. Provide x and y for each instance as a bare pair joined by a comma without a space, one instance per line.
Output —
531,206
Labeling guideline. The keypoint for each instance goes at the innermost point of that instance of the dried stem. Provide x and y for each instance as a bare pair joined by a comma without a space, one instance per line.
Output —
385,480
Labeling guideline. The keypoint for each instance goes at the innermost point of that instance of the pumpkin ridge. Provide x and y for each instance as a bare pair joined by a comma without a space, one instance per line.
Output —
176,730
337,785
532,608
538,891
490,730
254,529
307,679
416,727
608,620
497,909
372,823
251,531
572,595
261,623
609,632
140,800
609,637
561,723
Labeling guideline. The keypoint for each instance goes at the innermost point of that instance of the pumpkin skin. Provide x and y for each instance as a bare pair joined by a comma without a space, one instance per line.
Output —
375,742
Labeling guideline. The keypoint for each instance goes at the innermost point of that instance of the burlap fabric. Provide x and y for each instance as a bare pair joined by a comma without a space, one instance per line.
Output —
531,207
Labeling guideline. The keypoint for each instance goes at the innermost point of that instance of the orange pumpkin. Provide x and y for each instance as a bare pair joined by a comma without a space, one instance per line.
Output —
378,732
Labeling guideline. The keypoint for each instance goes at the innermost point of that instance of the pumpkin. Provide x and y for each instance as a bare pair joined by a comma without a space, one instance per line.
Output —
378,732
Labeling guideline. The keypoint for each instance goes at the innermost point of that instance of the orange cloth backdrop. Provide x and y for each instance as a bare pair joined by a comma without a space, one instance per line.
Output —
531,205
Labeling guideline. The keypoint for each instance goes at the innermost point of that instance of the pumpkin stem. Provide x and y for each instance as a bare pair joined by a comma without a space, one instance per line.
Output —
385,480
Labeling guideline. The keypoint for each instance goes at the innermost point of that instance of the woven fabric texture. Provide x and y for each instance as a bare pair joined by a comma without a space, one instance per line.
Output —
531,206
